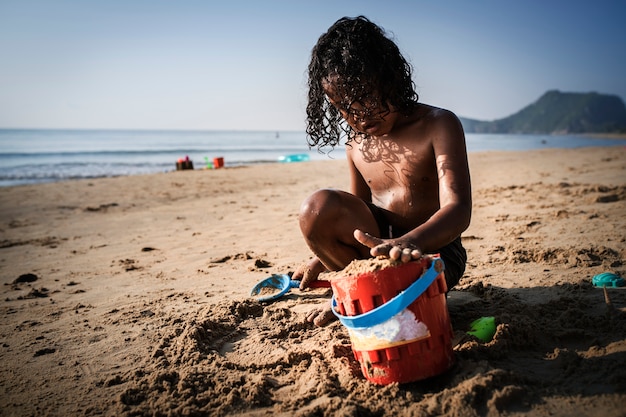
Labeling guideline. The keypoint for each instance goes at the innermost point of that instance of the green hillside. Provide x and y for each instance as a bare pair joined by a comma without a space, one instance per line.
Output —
560,113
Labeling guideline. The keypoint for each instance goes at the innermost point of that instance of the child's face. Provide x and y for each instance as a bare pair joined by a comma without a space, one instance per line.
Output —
369,115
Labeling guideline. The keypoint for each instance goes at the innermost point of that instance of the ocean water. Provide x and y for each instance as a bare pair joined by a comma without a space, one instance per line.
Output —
35,156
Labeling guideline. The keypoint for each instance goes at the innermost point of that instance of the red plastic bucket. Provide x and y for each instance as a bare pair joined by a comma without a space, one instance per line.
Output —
428,350
218,162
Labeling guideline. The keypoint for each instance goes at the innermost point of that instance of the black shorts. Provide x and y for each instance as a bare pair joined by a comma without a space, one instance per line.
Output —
453,254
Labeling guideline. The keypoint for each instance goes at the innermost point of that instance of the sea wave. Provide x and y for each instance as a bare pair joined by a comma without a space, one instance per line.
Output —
152,152
41,173
35,156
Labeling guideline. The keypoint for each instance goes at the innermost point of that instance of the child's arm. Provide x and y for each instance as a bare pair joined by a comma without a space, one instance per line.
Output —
455,194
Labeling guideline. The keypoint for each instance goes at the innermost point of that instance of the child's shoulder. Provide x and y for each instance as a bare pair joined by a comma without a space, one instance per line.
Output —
426,116
437,120
433,112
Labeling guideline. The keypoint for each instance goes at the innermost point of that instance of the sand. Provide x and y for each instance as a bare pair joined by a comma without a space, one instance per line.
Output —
129,296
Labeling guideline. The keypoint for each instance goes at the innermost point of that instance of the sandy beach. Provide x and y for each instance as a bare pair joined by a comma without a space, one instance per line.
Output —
129,296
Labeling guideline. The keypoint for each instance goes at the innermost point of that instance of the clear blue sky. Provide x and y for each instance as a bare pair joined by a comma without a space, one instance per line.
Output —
235,64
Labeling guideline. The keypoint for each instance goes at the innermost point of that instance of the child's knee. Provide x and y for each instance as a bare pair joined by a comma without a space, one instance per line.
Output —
320,207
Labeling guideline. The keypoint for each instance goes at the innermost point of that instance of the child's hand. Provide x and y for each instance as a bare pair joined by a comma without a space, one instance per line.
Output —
388,248
308,272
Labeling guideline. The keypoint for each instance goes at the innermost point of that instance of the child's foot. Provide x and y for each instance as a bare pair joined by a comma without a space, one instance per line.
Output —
321,316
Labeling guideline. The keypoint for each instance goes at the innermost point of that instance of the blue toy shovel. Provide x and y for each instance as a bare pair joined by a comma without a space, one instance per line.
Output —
278,285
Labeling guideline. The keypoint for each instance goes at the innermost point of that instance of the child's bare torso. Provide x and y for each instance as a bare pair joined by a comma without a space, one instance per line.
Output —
399,170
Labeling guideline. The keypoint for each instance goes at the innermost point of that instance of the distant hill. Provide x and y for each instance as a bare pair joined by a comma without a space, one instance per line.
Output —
560,113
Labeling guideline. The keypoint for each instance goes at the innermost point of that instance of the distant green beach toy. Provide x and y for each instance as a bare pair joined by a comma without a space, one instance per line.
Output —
608,279
483,328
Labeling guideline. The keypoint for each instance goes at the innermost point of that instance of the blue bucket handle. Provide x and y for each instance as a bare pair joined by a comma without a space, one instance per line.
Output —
394,306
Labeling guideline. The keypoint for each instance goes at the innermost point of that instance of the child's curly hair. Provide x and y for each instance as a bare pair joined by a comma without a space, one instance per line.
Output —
361,61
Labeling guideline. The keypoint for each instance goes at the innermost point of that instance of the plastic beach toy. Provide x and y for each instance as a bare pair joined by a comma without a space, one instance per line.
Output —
278,285
298,157
394,306
483,328
397,320
608,279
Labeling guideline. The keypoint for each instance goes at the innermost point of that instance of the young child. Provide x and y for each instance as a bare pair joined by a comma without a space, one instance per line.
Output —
410,186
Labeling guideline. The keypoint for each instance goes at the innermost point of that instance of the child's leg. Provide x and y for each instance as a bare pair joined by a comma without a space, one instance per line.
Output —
328,219
454,257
